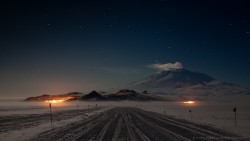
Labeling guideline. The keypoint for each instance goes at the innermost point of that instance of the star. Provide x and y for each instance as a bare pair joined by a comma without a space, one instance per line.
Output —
48,24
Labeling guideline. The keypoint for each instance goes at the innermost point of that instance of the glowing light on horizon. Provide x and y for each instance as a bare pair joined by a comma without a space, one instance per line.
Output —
188,102
54,101
59,99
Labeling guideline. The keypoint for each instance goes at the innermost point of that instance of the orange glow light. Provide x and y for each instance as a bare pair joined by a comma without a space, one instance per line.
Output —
188,102
54,101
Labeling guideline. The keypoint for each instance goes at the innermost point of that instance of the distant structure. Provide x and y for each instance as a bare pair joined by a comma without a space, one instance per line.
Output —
235,121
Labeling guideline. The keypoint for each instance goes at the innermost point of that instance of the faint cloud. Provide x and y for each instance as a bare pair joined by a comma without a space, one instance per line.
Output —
167,66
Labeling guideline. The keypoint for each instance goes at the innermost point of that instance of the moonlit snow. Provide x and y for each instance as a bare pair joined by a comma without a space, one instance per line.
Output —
215,114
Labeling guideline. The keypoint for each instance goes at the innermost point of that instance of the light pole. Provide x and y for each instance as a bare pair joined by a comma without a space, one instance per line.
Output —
88,108
50,101
77,109
235,123
190,114
50,107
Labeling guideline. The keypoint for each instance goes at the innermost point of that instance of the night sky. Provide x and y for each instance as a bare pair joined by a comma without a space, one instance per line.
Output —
59,46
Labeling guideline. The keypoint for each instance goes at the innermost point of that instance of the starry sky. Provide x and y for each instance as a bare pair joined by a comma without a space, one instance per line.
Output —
59,46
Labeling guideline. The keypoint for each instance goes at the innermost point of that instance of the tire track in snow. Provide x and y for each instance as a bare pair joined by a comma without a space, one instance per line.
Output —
10,123
132,124
117,130
186,124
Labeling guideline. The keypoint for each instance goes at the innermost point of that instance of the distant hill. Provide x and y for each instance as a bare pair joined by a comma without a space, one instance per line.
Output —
183,82
124,94
92,96
66,97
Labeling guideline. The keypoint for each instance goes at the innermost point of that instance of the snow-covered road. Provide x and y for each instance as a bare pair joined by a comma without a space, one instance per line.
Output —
133,124
19,122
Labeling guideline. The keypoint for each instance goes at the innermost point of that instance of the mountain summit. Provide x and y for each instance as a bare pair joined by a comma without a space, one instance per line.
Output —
173,78
185,82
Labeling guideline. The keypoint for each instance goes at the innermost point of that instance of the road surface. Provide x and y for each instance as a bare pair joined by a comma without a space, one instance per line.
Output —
19,122
134,124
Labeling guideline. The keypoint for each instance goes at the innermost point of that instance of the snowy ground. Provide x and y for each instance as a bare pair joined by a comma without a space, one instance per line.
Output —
24,132
28,121
136,125
216,114
18,123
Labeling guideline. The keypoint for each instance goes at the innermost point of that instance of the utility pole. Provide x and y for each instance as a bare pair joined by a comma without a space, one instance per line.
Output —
190,114
88,108
77,109
50,114
235,123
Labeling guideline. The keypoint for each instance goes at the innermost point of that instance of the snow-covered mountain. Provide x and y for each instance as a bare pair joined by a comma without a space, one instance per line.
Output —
185,82
124,94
